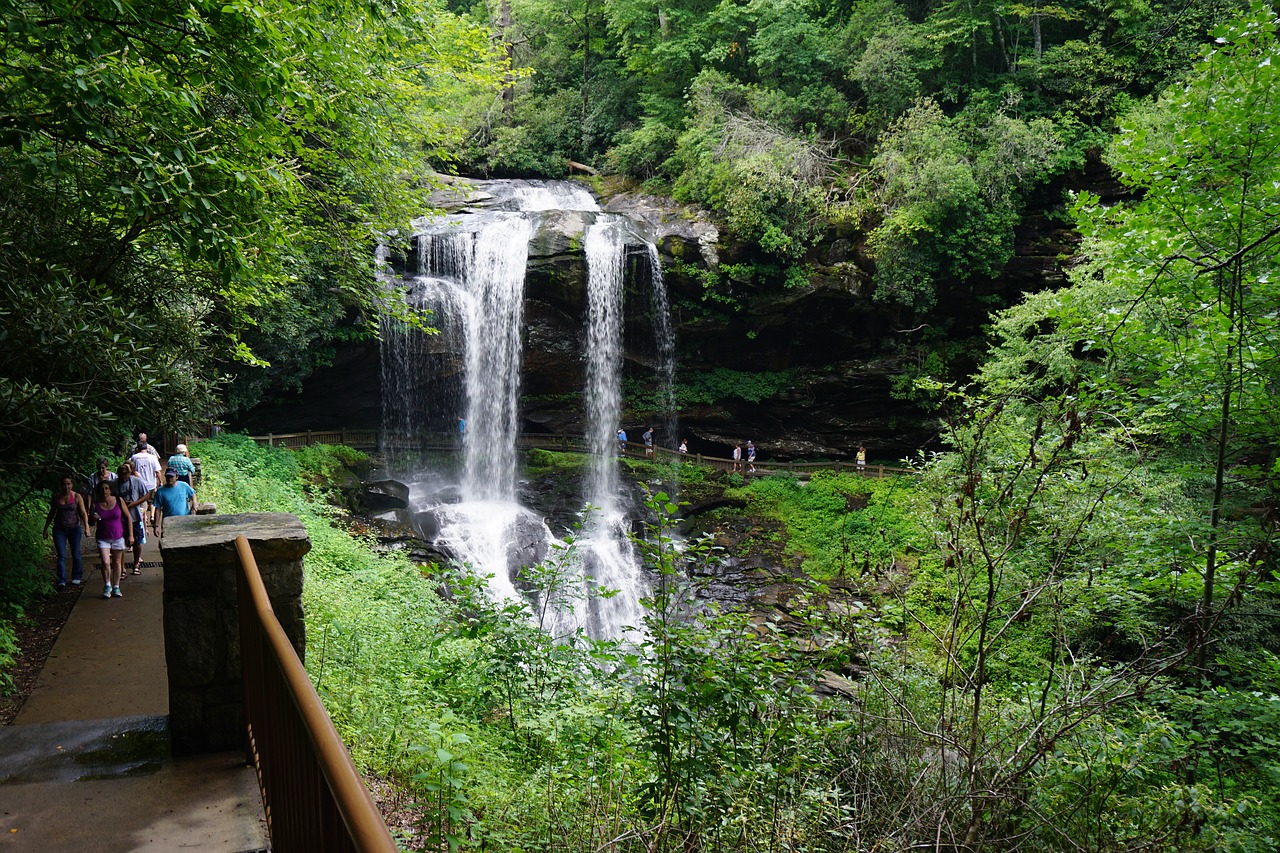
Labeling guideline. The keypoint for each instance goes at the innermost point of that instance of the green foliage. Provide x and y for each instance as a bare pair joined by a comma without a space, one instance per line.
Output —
767,112
187,187
767,183
640,152
843,525
541,461
26,573
722,382
946,195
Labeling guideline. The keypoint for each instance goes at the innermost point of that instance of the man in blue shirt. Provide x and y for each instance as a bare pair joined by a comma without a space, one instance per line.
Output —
173,498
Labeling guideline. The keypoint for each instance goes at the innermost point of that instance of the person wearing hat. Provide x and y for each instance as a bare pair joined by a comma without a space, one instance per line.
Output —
173,498
181,463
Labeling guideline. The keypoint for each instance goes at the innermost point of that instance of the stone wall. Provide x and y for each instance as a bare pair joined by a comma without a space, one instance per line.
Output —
201,613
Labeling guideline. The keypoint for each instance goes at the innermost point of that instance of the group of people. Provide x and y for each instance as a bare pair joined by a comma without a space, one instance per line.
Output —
750,454
646,437
120,506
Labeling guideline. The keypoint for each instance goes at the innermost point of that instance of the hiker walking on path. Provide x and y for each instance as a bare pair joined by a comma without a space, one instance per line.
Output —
142,445
173,498
70,520
648,442
622,441
147,466
130,488
181,463
102,474
114,535
737,456
751,457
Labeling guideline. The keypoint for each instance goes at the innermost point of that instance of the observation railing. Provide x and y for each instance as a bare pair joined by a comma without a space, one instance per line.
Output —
312,793
360,439
448,441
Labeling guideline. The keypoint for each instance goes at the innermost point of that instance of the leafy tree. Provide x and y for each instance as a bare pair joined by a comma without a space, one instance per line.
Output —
175,176
945,201
1184,285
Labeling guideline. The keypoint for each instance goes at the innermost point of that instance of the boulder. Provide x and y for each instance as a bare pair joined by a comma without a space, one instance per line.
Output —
393,525
383,494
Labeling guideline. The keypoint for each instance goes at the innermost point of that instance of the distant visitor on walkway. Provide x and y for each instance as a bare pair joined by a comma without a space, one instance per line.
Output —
181,462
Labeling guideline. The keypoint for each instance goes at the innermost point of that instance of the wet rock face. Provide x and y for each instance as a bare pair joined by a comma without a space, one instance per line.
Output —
844,354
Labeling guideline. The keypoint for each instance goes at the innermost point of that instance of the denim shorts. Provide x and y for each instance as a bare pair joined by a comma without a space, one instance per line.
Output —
113,544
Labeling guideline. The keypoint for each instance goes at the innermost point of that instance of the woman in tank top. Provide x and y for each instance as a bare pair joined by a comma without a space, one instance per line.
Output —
70,519
114,535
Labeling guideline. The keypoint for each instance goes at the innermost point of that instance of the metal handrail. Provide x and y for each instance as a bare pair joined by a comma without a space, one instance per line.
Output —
312,793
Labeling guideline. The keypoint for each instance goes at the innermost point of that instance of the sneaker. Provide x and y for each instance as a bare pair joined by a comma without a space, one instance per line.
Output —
116,593
61,587
106,591
76,581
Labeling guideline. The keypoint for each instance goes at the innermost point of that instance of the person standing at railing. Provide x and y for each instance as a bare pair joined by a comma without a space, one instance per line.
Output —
622,441
861,457
737,457
648,442
751,457
684,447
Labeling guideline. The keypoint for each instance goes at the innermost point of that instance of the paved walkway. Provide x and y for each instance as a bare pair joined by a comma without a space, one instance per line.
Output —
86,764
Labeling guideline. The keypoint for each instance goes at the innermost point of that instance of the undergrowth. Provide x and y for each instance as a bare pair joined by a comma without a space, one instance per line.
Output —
711,735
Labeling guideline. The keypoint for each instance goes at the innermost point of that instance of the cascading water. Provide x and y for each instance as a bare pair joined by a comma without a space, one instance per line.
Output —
665,338
608,555
471,273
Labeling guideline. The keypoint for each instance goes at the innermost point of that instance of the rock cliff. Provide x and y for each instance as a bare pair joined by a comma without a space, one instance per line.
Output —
810,370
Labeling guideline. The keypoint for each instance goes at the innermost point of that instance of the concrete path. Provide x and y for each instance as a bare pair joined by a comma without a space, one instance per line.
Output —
86,764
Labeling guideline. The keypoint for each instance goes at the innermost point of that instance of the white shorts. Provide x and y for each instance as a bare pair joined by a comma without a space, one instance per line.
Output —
112,544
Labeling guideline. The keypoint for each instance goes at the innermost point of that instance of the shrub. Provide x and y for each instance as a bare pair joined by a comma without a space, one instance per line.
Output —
26,574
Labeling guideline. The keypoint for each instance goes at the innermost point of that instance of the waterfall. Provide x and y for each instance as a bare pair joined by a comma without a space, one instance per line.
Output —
606,255
665,339
608,555
470,273
493,360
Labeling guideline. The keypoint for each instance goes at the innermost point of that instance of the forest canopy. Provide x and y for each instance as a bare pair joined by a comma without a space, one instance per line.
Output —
924,125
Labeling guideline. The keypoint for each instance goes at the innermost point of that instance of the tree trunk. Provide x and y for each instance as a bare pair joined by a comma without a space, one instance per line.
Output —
586,64
508,78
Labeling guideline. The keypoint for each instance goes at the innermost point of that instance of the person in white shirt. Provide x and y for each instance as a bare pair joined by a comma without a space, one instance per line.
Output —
146,465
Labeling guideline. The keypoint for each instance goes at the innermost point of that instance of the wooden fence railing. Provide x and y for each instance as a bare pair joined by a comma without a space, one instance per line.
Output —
312,793
373,439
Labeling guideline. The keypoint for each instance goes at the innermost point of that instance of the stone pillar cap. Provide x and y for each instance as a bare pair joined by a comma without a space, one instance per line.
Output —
273,535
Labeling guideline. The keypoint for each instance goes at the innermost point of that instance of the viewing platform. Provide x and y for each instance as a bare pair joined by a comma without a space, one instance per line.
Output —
86,765
376,440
